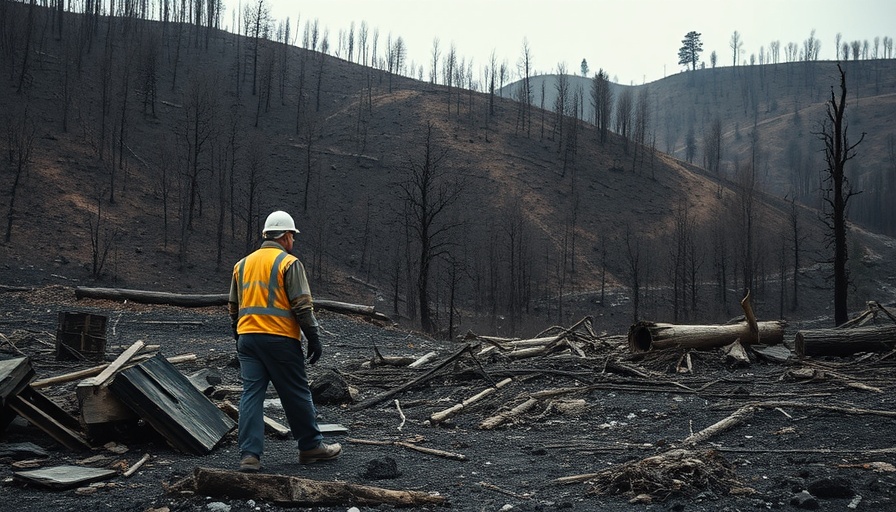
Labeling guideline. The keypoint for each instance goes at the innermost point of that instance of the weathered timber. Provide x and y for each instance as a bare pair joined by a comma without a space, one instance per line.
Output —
204,300
736,418
152,297
44,413
644,336
503,417
298,492
441,416
96,370
844,342
271,425
15,374
167,400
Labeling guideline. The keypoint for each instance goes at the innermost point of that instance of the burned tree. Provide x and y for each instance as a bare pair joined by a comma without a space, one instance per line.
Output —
836,190
602,101
427,192
20,135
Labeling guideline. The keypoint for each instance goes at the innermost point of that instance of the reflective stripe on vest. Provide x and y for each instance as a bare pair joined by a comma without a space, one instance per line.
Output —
264,305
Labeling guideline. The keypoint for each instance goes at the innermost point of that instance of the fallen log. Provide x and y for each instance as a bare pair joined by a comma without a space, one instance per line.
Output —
205,300
644,336
844,342
297,492
152,297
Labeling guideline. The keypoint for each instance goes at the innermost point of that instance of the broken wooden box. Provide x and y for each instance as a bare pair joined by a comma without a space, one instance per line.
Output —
80,336
166,399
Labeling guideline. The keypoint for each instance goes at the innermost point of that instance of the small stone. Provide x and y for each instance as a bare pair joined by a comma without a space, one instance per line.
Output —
832,487
642,499
381,469
805,501
114,447
330,389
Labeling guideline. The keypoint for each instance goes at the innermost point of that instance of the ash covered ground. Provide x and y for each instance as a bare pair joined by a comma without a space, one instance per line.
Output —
818,436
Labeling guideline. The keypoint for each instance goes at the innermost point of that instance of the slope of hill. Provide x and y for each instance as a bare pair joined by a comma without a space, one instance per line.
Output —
785,104
156,151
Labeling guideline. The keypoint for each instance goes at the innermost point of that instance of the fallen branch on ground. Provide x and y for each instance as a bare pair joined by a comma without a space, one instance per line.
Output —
411,446
382,397
503,417
454,410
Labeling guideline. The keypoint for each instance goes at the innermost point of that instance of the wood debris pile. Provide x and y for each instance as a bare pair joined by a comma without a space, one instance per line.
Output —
133,386
680,472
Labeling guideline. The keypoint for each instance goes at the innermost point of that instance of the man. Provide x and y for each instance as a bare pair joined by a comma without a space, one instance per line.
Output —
270,307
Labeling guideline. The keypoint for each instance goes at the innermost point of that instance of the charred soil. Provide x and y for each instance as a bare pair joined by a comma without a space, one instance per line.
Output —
819,435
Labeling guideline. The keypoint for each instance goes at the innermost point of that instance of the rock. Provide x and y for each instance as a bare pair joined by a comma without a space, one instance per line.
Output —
831,487
381,469
21,451
217,506
805,501
116,448
330,389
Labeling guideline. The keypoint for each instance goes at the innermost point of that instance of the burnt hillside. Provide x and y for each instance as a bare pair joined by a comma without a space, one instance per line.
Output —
784,105
146,155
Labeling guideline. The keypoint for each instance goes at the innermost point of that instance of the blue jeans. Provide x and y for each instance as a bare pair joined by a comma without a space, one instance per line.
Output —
279,360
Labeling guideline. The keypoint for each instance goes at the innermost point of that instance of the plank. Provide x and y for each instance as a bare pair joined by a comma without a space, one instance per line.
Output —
15,374
49,417
63,477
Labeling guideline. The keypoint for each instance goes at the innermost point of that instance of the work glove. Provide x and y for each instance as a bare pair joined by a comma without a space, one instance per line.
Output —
314,347
236,335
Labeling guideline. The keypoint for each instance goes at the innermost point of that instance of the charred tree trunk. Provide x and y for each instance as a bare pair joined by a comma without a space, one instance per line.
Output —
645,336
844,342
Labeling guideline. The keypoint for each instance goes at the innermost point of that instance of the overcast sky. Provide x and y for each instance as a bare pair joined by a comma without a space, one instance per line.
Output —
635,41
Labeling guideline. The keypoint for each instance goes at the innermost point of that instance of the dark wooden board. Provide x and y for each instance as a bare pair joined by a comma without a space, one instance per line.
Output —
168,401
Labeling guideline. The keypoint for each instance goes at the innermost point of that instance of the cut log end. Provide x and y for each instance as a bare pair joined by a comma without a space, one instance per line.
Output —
640,339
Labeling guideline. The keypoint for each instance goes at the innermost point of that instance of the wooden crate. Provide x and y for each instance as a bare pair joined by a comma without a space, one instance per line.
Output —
80,336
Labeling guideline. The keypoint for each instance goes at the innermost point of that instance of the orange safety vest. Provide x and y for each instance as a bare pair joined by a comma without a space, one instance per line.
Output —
264,305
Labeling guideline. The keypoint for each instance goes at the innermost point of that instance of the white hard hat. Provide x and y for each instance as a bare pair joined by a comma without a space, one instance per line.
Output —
279,221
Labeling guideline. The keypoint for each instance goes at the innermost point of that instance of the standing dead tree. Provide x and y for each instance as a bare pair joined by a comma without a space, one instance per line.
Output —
20,132
836,190
427,193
